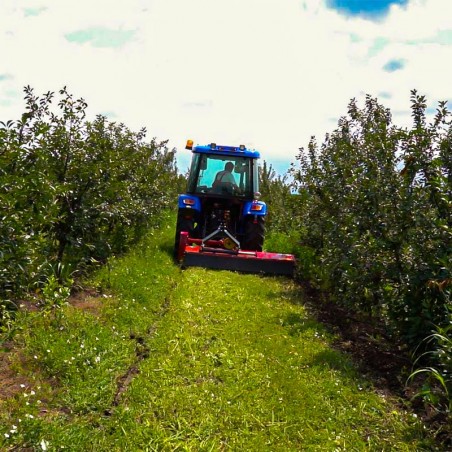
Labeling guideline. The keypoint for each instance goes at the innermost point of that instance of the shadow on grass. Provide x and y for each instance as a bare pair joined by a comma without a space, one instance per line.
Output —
168,248
326,357
297,324
332,359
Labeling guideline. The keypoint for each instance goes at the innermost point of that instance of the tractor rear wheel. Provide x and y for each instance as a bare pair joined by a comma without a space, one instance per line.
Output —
185,222
254,233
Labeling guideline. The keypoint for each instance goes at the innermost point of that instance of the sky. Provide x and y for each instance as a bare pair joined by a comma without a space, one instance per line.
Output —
265,73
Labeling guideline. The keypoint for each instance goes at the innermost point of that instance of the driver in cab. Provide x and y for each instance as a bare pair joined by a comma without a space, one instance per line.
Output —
224,180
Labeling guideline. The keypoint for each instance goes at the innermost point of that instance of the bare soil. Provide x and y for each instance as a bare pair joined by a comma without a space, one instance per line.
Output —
10,381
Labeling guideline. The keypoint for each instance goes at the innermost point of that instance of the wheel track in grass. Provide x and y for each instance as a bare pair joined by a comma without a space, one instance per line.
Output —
142,351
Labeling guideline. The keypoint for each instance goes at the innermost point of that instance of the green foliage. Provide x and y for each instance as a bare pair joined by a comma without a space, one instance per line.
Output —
73,191
282,243
54,293
282,203
7,326
439,372
377,214
382,232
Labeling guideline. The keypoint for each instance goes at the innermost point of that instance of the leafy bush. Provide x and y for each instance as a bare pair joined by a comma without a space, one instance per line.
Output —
73,190
376,214
377,209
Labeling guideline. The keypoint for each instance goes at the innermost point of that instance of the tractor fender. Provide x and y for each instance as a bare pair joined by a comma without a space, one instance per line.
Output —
258,208
189,202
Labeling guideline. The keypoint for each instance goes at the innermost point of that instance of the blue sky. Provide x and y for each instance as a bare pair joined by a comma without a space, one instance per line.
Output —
265,73
371,9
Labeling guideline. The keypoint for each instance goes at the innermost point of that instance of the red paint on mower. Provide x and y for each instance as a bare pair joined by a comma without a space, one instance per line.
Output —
211,254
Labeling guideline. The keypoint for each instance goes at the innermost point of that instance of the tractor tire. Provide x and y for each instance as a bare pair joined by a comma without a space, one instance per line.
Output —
254,233
185,222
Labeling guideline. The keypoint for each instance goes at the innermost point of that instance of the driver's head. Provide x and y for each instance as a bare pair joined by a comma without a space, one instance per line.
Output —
229,166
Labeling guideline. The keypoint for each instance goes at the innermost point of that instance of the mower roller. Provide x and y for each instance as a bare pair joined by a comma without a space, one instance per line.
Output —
221,220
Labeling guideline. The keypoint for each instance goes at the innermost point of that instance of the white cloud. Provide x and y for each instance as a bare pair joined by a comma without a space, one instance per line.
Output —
265,73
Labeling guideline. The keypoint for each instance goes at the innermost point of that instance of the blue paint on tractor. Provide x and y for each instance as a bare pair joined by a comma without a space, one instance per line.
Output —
189,202
235,151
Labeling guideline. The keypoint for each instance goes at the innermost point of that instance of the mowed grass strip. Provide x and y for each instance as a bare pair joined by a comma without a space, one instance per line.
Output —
194,360
237,364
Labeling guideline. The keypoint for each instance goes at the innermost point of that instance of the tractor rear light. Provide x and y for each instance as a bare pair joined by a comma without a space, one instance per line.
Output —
189,145
189,202
256,207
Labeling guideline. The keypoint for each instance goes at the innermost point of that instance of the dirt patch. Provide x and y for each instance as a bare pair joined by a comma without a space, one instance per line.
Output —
379,357
32,304
11,383
88,300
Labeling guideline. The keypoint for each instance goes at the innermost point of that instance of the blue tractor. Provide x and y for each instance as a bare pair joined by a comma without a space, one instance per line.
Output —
221,220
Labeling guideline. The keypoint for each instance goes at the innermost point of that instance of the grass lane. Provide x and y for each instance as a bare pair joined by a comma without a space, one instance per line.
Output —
193,360
236,363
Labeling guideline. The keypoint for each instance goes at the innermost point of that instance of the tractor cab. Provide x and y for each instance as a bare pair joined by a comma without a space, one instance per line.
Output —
224,171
